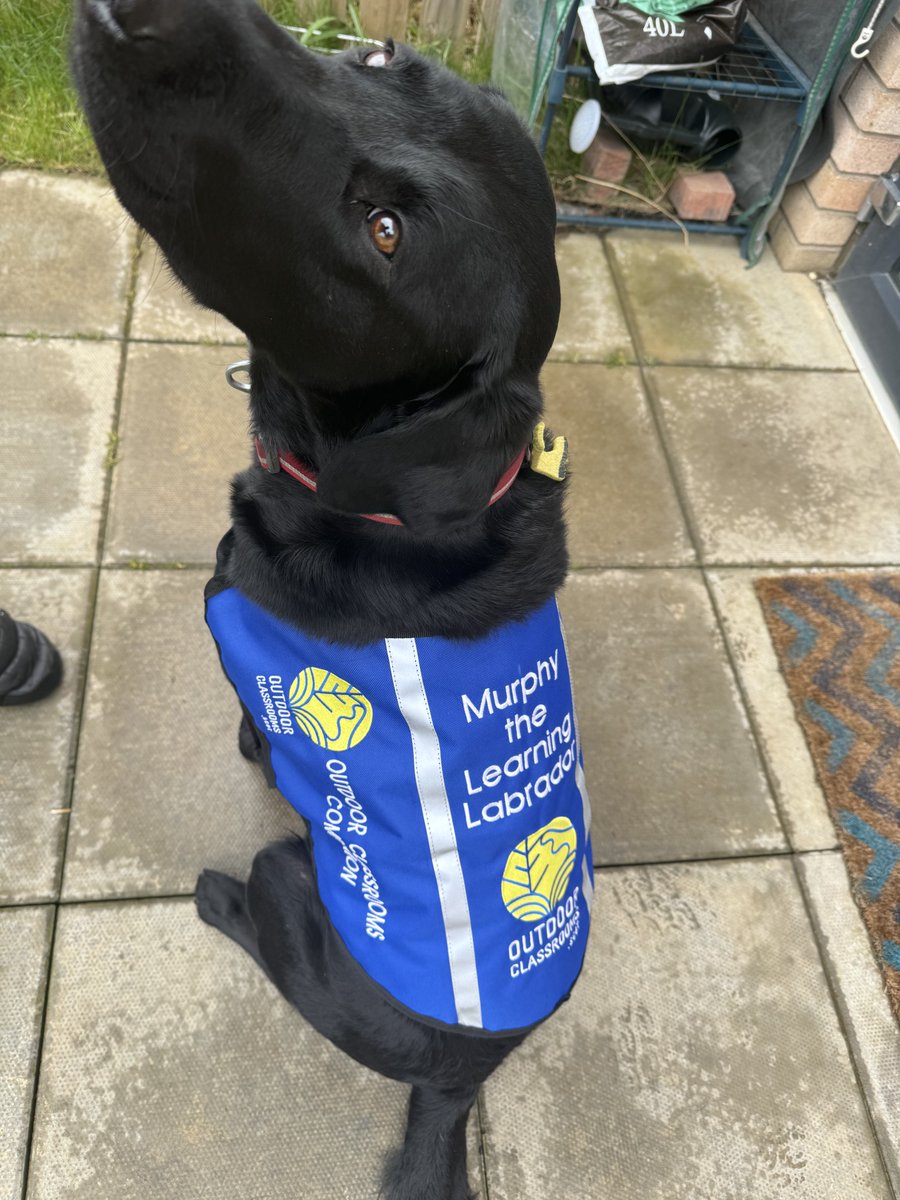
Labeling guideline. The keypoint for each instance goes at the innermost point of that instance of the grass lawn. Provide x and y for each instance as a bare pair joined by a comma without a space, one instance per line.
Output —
40,122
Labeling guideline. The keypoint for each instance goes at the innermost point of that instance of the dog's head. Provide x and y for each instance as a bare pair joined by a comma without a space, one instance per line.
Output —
378,228
371,196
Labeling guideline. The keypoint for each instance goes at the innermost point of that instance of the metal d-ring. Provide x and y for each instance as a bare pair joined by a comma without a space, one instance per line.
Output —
236,369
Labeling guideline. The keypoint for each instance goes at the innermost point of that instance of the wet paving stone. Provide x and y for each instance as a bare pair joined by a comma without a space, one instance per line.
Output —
36,740
161,791
671,767
698,1059
702,305
592,325
55,421
24,957
66,249
621,505
783,467
173,1069
183,434
861,1001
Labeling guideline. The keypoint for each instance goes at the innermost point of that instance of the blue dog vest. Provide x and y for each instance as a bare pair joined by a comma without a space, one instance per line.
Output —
444,791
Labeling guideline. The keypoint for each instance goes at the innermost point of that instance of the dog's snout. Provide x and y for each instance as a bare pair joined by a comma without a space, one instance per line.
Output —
137,20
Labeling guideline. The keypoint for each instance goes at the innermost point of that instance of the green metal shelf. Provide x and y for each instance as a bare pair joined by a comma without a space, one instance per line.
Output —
755,68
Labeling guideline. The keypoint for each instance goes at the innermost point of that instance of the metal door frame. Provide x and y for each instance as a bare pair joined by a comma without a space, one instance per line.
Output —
868,285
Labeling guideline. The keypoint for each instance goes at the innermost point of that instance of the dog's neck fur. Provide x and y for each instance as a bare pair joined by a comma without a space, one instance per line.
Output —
307,421
458,569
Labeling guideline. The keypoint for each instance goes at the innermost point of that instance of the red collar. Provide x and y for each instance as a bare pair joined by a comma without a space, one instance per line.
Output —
304,474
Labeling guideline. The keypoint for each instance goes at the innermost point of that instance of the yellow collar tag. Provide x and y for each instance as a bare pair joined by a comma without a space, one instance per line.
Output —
549,454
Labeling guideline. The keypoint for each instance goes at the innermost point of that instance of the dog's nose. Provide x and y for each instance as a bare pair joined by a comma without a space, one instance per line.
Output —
138,19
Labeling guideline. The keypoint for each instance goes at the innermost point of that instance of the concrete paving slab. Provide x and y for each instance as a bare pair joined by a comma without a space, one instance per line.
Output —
698,1059
621,504
173,1070
55,418
161,790
702,305
163,310
783,467
591,324
66,247
868,1021
671,767
800,800
183,434
24,955
36,740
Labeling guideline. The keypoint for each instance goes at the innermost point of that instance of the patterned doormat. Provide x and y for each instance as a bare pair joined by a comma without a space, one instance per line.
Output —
838,644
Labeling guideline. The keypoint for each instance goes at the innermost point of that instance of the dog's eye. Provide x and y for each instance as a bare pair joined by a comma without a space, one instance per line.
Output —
384,230
378,58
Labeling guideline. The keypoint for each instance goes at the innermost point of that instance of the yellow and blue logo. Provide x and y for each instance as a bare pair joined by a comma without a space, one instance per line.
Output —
537,871
330,711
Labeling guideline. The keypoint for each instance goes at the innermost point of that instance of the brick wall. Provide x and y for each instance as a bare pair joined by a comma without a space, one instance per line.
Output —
818,216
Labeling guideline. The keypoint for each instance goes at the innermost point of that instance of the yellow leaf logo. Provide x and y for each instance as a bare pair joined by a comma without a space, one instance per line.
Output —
537,872
330,711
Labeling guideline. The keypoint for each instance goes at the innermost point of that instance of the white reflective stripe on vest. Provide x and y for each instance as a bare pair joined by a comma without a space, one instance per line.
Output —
586,884
413,702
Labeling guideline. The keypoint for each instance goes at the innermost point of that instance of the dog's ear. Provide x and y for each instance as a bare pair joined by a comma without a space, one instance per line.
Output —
438,469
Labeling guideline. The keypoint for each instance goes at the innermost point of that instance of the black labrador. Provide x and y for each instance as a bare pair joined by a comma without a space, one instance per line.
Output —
383,233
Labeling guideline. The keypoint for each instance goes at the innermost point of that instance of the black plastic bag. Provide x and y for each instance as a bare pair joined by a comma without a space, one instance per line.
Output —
699,127
627,44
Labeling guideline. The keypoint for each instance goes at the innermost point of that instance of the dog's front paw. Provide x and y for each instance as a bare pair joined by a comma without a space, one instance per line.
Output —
249,742
220,900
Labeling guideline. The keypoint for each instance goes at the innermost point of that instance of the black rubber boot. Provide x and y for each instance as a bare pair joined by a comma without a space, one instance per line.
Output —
30,665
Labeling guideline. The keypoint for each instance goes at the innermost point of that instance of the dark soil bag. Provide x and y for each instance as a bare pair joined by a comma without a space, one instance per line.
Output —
627,43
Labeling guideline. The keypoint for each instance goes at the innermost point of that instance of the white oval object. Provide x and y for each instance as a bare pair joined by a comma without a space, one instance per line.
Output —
584,127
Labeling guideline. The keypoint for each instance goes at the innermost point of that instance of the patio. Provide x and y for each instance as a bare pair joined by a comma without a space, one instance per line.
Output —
729,1039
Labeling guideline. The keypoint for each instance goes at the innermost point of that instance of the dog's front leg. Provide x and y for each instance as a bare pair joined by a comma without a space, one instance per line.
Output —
249,738
221,902
431,1165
